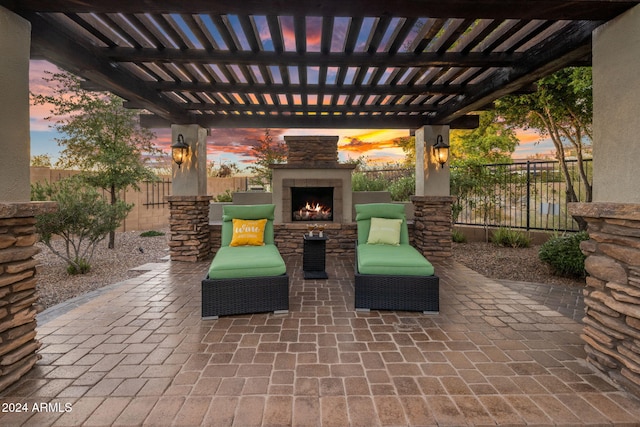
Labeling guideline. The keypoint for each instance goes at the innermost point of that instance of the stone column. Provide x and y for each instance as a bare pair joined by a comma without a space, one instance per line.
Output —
18,343
433,226
189,203
189,228
612,292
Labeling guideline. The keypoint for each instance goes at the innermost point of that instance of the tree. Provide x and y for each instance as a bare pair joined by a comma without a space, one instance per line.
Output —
41,161
225,170
83,219
562,109
267,152
100,137
491,142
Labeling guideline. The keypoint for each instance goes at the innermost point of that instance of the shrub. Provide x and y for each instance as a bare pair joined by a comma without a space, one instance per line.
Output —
509,237
224,197
79,266
151,233
458,236
563,254
83,219
403,188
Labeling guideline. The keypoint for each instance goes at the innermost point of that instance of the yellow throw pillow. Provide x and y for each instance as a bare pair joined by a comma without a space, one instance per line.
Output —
248,232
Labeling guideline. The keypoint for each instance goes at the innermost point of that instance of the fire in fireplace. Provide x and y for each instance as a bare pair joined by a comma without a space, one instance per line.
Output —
312,203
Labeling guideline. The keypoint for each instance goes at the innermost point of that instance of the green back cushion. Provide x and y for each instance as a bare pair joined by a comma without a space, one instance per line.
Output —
364,213
229,212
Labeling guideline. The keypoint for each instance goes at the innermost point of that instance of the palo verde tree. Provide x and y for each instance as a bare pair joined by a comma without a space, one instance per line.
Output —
99,136
267,151
562,109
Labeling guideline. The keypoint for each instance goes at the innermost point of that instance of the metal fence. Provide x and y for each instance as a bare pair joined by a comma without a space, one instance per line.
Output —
531,195
155,192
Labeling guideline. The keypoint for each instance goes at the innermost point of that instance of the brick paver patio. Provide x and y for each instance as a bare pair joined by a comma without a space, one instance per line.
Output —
138,353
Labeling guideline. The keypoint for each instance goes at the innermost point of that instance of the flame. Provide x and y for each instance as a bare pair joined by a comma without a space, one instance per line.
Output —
313,211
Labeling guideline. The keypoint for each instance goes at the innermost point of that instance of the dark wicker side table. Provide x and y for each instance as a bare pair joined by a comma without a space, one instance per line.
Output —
313,257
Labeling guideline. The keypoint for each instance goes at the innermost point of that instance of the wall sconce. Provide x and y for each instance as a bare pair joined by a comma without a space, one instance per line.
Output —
441,151
180,151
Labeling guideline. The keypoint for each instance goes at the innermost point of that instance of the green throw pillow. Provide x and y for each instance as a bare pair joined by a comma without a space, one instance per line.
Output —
384,231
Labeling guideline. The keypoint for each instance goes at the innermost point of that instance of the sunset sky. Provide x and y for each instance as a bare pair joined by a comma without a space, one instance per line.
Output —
233,145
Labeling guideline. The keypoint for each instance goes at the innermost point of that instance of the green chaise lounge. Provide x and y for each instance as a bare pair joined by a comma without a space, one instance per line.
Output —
247,274
390,274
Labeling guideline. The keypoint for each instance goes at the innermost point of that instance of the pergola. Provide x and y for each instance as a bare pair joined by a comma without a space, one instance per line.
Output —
305,64
422,65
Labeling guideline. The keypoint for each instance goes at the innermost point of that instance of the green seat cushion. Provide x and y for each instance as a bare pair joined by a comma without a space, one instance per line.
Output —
386,260
234,262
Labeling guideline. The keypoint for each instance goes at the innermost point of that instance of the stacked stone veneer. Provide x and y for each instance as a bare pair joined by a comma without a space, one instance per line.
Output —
612,292
312,150
432,226
18,344
189,227
289,238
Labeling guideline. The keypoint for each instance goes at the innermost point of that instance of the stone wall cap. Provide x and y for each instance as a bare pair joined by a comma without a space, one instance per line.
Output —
26,209
433,199
294,138
312,165
188,198
606,210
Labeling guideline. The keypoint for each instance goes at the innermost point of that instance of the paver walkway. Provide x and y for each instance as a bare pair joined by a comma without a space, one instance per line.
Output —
138,353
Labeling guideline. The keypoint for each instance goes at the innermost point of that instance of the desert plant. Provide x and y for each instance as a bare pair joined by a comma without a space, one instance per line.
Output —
83,219
224,197
151,233
458,236
563,254
509,237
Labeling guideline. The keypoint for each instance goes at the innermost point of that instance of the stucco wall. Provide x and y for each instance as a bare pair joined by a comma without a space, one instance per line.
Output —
15,40
616,116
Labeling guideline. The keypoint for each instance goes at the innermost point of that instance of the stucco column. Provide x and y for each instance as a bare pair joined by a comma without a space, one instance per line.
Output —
15,40
431,178
612,291
190,179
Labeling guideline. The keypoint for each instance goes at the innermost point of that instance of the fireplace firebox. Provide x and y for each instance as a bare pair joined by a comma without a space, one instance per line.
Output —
312,203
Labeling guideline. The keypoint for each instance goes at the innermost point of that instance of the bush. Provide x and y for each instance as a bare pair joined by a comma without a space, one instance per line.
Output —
151,233
224,197
458,236
79,266
563,254
83,219
509,237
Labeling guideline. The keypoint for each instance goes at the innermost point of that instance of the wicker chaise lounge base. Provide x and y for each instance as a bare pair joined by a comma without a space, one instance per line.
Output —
403,293
247,273
221,297
390,274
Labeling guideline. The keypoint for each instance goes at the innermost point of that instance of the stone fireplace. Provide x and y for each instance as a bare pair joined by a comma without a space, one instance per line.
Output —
312,176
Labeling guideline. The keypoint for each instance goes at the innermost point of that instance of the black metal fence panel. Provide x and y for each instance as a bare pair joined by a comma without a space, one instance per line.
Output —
156,192
531,195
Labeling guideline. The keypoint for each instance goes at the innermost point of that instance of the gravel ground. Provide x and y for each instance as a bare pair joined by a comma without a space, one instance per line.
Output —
112,265
519,264
108,266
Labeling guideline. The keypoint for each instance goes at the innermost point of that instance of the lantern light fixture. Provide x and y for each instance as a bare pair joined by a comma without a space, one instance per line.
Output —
441,151
180,151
